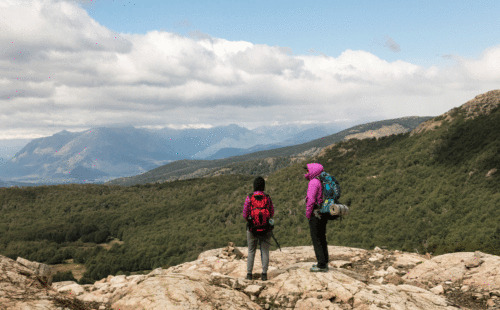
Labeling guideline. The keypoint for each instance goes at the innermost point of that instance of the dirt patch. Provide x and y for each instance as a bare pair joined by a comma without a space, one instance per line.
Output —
109,245
77,269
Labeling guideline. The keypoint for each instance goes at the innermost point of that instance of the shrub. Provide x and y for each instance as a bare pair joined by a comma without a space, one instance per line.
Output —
84,280
63,276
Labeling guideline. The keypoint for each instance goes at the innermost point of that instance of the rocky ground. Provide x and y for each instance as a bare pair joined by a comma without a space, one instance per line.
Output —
357,279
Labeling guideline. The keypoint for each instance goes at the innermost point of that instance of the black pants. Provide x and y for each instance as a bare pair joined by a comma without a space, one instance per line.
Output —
318,236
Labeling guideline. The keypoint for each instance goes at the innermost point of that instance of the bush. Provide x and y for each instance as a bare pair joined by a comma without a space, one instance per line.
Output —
58,259
126,273
84,280
101,236
63,276
81,256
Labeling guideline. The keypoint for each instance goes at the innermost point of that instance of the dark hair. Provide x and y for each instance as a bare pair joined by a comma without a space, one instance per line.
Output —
259,184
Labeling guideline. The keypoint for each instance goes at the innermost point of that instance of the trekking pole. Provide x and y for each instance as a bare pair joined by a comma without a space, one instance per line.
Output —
272,235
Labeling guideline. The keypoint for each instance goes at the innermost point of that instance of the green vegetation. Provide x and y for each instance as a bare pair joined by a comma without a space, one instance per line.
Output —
427,192
63,276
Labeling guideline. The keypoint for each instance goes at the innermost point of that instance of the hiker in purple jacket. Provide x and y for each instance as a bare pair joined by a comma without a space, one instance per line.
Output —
317,225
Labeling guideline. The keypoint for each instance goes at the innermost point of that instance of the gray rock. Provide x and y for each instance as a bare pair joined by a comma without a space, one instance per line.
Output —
253,290
41,270
340,263
437,290
473,262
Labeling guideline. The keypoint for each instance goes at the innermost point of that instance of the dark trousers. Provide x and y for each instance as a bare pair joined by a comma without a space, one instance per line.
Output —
318,236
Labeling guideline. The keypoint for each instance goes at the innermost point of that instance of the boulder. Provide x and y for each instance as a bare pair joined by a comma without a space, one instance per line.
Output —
41,270
28,285
473,262
437,290
253,290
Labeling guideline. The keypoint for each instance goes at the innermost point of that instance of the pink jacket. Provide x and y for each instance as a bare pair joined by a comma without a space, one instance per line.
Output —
314,189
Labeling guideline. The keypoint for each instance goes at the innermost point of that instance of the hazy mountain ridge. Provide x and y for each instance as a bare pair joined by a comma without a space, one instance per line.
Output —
288,132
297,138
199,143
105,153
284,155
8,148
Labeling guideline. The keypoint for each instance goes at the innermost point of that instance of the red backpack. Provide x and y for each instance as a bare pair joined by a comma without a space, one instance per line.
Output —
259,214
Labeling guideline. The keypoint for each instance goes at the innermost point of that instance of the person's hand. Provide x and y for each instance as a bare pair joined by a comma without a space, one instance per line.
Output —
316,214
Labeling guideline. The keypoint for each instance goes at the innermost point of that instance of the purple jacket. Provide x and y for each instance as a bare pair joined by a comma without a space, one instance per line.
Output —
314,189
246,207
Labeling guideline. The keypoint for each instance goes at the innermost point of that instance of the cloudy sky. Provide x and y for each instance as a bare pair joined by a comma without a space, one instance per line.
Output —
76,65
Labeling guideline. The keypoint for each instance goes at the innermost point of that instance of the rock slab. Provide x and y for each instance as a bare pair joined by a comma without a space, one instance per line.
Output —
357,279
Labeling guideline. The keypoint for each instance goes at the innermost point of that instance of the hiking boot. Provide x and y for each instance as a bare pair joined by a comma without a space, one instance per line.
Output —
264,277
249,276
316,265
316,269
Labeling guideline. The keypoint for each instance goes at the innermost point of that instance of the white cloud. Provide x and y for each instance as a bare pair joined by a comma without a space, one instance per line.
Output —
61,79
486,68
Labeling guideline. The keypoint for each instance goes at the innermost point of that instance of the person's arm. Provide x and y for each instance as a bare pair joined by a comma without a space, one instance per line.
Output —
271,208
312,191
246,208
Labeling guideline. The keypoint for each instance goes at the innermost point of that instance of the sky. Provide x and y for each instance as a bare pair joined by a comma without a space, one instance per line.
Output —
76,65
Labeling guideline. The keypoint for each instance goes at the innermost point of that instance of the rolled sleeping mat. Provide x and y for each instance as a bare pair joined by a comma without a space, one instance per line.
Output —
338,209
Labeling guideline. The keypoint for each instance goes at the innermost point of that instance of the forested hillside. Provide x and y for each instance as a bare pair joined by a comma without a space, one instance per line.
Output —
434,191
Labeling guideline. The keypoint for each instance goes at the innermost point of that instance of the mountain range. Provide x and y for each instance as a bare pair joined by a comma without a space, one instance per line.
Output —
103,154
268,158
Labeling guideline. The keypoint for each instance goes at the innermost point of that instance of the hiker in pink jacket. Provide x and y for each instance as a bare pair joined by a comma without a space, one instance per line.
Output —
317,225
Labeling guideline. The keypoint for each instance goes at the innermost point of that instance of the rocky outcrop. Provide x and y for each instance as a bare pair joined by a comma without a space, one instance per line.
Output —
377,133
482,104
357,279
